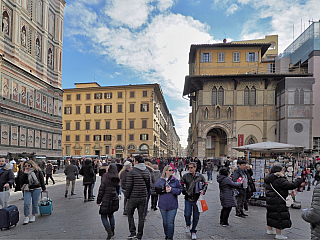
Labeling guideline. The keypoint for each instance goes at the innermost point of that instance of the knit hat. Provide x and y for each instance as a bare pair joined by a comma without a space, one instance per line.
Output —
127,163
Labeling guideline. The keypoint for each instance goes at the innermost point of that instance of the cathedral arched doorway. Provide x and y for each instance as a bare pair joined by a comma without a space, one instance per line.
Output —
216,143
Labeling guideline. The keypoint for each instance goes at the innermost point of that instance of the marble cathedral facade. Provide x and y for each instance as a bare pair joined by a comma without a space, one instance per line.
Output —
31,72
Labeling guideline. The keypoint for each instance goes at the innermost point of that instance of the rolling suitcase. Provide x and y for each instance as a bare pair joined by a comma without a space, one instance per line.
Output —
45,205
9,215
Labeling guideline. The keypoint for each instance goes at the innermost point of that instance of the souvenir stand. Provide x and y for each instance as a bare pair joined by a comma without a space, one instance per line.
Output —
263,156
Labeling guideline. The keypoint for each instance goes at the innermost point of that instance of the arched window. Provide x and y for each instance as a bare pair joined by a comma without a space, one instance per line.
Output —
229,113
218,112
251,141
246,96
206,113
221,96
253,96
296,96
214,96
301,96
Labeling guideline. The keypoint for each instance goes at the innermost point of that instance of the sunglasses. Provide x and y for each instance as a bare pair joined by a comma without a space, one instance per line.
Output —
170,170
190,167
27,165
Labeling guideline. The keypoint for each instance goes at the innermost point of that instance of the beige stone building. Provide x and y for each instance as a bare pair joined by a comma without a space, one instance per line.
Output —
31,69
238,98
115,120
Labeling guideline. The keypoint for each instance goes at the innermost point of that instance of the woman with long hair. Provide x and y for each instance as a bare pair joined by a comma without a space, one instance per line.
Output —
169,188
31,182
108,199
278,216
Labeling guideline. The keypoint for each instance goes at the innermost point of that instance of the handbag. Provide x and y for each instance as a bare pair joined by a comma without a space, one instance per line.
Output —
4,197
202,205
288,200
25,187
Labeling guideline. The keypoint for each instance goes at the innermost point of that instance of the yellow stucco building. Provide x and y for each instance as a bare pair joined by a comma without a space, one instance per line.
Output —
114,121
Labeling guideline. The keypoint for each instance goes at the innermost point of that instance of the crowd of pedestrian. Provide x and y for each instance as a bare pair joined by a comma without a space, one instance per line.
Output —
142,180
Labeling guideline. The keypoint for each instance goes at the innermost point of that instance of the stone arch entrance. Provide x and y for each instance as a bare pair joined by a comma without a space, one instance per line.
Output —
216,143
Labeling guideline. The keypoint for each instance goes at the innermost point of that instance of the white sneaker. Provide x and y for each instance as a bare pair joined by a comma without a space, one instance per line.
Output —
271,231
280,236
210,181
32,219
187,229
26,220
193,236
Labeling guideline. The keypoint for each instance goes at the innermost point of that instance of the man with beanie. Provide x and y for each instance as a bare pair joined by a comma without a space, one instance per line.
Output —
312,216
239,175
137,189
71,171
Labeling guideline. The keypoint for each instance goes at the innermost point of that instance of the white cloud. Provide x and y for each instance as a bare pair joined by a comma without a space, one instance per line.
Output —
281,15
131,13
233,7
163,5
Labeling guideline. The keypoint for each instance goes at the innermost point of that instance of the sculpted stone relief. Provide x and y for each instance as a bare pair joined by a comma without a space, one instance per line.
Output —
24,35
6,20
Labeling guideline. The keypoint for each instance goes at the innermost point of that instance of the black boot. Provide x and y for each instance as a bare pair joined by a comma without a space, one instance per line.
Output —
72,193
109,233
66,194
112,231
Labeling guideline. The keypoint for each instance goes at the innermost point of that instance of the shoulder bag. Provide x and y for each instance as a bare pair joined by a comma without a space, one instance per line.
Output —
288,200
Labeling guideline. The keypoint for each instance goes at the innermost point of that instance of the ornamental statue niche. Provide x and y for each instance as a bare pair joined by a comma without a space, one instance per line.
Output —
23,36
5,23
50,57
38,47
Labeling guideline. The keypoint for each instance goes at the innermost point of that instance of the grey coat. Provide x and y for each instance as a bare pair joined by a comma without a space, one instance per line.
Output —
71,171
226,186
313,216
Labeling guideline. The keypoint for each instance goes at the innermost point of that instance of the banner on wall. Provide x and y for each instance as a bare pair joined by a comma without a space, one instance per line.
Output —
240,140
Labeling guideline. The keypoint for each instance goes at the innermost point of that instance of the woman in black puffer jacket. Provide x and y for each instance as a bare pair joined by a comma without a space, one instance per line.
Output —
88,179
278,216
108,199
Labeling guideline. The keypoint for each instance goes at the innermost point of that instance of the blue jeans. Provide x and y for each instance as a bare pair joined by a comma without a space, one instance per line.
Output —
34,194
168,217
92,189
108,223
309,181
209,174
189,208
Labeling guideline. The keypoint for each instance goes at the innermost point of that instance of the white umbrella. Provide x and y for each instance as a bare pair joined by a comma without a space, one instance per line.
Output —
270,146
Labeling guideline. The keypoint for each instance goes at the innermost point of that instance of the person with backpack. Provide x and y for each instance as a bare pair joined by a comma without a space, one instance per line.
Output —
108,198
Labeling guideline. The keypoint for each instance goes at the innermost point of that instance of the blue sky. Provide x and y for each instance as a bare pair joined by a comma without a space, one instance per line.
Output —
117,42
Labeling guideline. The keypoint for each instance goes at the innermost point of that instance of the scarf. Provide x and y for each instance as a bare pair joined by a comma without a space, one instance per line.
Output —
2,167
32,178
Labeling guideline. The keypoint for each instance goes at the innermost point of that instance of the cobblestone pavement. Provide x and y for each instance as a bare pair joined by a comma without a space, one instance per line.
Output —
72,218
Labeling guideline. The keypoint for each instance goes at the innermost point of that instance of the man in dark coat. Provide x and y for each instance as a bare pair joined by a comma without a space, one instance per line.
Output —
137,189
237,176
278,216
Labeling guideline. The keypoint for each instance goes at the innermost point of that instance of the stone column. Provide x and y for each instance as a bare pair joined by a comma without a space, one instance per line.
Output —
201,147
